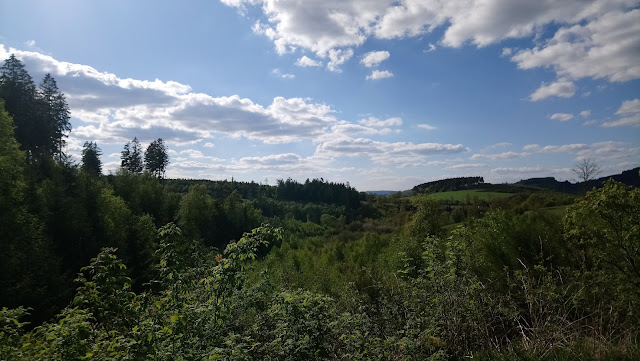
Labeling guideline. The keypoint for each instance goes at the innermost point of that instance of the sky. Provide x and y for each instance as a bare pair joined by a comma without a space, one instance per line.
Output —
384,95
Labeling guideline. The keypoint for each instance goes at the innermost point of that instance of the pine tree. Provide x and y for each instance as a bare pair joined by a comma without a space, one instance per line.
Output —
156,158
56,112
132,156
20,96
91,159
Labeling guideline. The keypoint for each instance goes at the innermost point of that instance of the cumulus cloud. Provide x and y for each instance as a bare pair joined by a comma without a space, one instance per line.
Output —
629,113
338,57
585,113
306,61
597,38
629,107
272,160
379,74
113,108
374,58
396,153
563,117
605,47
561,88
375,122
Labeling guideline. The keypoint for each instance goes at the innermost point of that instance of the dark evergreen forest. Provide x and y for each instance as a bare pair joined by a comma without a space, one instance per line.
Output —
133,266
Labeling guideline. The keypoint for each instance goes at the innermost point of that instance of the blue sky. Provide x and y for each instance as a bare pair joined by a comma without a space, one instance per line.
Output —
382,94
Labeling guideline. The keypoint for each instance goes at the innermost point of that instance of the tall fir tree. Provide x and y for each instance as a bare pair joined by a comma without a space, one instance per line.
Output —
91,158
56,112
131,156
20,96
156,158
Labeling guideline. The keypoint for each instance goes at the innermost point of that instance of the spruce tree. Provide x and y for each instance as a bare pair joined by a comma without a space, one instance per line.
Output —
132,156
91,159
56,112
156,158
19,93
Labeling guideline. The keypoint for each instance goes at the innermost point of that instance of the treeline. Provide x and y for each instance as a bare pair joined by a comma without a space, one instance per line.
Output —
449,184
318,191
630,177
505,286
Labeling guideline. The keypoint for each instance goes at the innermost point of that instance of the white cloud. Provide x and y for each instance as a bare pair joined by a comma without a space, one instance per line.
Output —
563,148
630,112
500,145
466,166
350,128
306,61
431,48
561,88
278,73
507,52
607,46
379,74
30,43
520,170
114,108
563,117
596,38
397,153
629,107
375,122
337,58
531,147
374,58
585,113
272,160
505,155
111,110
426,126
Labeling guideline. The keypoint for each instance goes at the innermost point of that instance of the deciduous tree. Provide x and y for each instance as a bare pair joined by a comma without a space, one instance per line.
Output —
586,169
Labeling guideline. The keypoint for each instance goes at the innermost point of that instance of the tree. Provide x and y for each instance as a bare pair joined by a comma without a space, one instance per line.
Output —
586,169
56,113
91,158
132,156
427,221
156,158
19,93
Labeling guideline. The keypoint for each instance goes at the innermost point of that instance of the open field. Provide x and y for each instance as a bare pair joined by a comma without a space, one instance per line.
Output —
460,196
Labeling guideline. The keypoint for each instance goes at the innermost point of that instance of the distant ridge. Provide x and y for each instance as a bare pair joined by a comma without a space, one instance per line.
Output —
629,177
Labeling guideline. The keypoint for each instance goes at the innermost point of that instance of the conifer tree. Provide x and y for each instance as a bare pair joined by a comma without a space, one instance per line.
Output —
19,93
156,158
56,112
132,156
91,158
